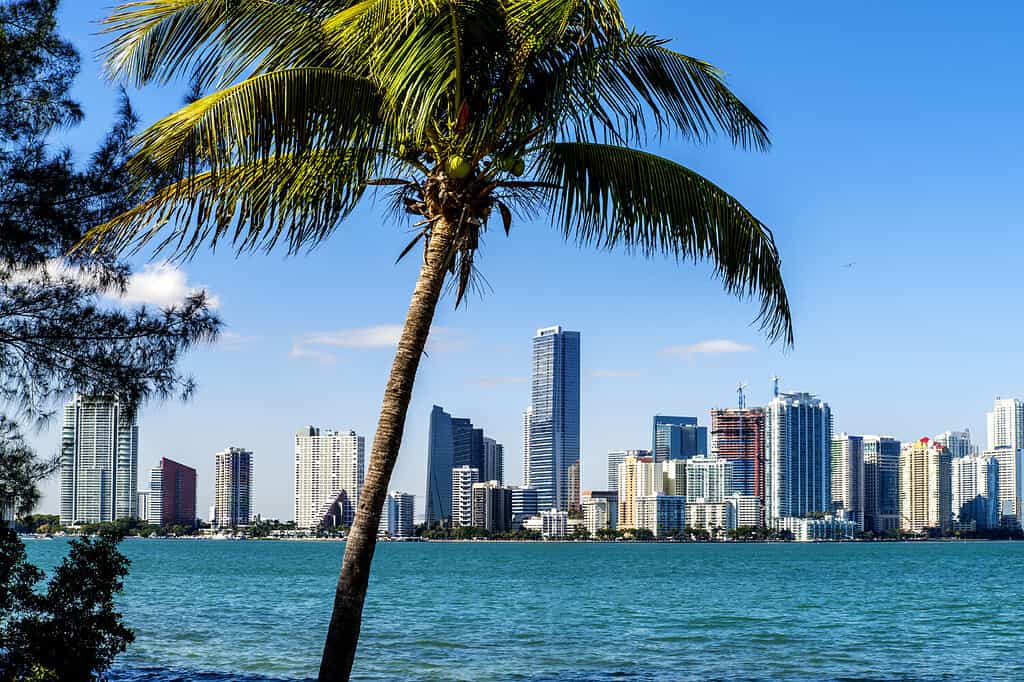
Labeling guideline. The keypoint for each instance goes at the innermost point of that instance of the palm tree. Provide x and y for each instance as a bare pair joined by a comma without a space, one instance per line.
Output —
470,114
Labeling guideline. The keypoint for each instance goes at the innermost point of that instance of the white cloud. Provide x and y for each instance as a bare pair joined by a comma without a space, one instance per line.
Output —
710,346
159,284
162,284
614,373
313,345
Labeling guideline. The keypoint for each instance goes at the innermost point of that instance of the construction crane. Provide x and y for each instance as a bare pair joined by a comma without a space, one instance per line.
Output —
775,386
741,398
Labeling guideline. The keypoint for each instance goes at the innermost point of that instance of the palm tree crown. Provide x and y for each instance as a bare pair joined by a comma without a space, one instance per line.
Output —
473,112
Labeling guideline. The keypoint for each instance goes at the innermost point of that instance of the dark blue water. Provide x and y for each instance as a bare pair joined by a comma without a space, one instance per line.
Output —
209,610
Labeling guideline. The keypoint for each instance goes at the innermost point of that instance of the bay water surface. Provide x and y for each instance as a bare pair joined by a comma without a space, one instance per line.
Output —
257,610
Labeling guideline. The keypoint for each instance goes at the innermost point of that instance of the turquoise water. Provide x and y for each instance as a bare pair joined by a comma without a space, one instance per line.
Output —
207,610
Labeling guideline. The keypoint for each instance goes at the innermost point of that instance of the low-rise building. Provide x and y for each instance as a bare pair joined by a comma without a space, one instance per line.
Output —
664,515
554,524
744,510
829,527
524,505
714,517
596,514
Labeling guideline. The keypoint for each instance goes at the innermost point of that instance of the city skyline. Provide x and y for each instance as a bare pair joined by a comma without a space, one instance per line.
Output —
661,336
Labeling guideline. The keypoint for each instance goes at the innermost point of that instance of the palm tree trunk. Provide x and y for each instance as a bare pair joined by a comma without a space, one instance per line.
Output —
343,633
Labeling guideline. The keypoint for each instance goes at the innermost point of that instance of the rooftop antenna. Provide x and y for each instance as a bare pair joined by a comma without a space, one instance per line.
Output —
740,397
775,385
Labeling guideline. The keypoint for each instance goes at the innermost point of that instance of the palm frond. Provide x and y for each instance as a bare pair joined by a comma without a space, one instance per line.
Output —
214,40
618,197
300,199
281,113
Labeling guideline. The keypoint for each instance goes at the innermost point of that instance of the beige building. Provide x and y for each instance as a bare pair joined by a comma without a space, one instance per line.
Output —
637,477
926,493
673,474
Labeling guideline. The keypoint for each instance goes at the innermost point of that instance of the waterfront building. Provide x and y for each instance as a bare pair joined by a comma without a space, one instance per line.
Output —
494,460
143,505
664,515
172,497
744,510
232,488
678,438
1011,483
673,476
975,492
554,524
881,484
463,478
798,440
1006,424
554,415
524,504
848,477
99,461
926,500
574,487
714,517
830,527
708,479
492,507
526,443
737,434
597,514
615,458
957,442
400,512
455,442
611,496
329,470
638,477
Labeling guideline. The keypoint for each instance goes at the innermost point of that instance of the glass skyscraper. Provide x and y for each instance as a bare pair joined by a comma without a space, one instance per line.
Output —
440,461
798,471
554,430
678,438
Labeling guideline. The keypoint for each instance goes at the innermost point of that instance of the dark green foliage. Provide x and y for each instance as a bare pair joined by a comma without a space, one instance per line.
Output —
70,631
19,470
56,334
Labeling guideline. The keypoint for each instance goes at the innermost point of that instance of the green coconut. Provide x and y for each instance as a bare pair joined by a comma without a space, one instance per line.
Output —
458,167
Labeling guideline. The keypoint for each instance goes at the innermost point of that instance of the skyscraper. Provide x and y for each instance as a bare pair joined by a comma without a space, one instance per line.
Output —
463,478
400,511
526,445
881,484
638,477
615,458
440,462
492,507
737,434
677,438
574,486
926,500
975,492
957,442
99,461
233,488
554,415
848,477
1006,443
329,470
798,442
455,442
708,480
494,461
172,497
524,504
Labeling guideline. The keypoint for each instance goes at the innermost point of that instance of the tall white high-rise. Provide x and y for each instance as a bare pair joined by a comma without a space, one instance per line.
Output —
976,492
708,480
99,461
463,479
1006,424
848,477
329,469
399,513
232,488
554,415
798,438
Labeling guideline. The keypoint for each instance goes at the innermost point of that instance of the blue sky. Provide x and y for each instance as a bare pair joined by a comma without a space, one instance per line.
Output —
893,188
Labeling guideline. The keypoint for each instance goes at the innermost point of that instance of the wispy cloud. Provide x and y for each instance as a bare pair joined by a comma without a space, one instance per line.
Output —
500,381
711,346
318,345
230,340
614,373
